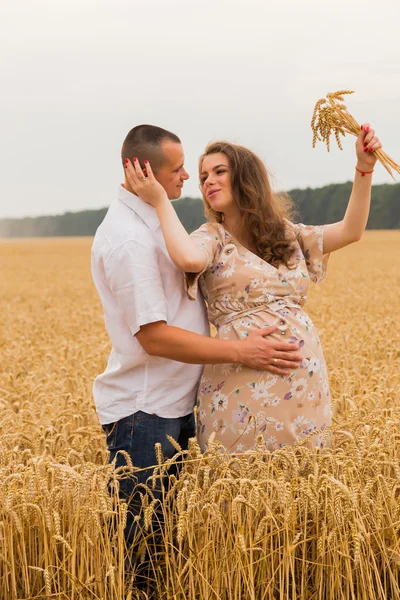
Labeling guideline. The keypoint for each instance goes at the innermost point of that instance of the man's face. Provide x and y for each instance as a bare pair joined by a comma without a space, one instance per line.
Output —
172,174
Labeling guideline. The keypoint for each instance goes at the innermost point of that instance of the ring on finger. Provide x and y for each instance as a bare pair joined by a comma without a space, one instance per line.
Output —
142,178
275,361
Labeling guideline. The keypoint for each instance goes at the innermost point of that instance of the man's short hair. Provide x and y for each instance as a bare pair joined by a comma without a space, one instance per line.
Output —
145,143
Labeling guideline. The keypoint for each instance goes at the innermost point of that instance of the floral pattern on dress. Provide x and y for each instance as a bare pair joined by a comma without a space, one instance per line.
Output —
243,293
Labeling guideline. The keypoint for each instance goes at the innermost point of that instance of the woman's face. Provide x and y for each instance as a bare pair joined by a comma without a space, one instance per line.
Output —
215,182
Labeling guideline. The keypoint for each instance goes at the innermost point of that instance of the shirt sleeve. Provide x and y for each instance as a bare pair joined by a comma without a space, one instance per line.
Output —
311,241
208,239
134,278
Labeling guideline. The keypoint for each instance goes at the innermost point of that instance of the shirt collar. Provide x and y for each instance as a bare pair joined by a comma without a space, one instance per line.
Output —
146,212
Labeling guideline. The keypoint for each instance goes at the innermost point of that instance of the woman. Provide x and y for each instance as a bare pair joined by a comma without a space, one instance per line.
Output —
254,268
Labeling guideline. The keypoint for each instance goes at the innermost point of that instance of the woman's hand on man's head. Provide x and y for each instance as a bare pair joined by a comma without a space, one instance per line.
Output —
146,187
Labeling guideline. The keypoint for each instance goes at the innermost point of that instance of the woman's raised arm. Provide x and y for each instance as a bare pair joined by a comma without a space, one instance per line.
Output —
184,252
351,228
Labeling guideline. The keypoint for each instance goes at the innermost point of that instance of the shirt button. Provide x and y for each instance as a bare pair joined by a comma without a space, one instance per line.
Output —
229,250
282,323
283,332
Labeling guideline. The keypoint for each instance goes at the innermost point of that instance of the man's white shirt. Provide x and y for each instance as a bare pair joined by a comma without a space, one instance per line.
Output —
138,284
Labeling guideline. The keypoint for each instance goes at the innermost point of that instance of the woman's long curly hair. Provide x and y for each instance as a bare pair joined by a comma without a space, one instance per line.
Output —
263,213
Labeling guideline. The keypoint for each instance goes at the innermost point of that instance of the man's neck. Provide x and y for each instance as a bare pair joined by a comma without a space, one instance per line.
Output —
127,186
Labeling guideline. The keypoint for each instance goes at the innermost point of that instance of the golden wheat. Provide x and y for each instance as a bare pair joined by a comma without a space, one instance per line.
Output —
330,116
298,523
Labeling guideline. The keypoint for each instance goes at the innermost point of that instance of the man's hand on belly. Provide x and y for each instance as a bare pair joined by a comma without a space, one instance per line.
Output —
258,351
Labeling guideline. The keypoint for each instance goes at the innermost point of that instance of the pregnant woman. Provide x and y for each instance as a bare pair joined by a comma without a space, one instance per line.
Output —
254,268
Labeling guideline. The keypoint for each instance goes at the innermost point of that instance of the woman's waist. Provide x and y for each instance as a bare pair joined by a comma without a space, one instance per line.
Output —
220,315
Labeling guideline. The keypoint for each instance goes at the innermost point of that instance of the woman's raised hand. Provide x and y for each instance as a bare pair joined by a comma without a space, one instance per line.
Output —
147,188
366,144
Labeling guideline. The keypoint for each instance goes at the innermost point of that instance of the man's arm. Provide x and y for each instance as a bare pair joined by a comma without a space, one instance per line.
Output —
255,352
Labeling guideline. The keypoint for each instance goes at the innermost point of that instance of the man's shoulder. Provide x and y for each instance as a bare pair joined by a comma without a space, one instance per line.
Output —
122,227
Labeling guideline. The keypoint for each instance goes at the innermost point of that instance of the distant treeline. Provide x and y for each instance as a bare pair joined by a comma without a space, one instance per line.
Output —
313,206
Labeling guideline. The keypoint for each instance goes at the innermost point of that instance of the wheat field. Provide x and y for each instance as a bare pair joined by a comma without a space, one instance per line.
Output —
296,524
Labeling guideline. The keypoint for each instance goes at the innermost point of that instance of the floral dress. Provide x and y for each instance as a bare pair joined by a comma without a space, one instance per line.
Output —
243,293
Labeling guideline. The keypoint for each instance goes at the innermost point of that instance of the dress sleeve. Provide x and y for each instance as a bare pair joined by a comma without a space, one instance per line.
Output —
311,241
208,239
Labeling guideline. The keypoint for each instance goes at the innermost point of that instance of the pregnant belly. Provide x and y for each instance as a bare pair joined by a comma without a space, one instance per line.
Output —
294,327
238,403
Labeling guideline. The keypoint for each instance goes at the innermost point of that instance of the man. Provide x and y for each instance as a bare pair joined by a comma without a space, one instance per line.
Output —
160,338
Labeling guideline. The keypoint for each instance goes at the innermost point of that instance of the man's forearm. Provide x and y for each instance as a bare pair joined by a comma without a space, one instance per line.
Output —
188,347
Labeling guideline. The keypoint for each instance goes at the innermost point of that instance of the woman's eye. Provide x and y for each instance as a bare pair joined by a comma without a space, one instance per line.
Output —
220,172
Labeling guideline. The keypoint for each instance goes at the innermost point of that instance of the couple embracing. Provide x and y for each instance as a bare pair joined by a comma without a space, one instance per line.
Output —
247,270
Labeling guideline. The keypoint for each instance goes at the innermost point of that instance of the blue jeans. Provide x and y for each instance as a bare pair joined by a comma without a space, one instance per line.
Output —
137,434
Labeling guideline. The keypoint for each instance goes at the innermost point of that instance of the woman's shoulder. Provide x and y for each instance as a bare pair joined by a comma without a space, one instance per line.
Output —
211,228
304,231
292,228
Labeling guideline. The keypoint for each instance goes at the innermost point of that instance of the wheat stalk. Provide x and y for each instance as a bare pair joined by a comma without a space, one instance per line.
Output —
297,523
330,116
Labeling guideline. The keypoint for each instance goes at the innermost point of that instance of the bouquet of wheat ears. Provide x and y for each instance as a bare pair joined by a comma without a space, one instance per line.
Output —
331,116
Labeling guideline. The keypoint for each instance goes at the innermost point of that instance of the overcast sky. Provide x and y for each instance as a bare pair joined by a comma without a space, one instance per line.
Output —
77,75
